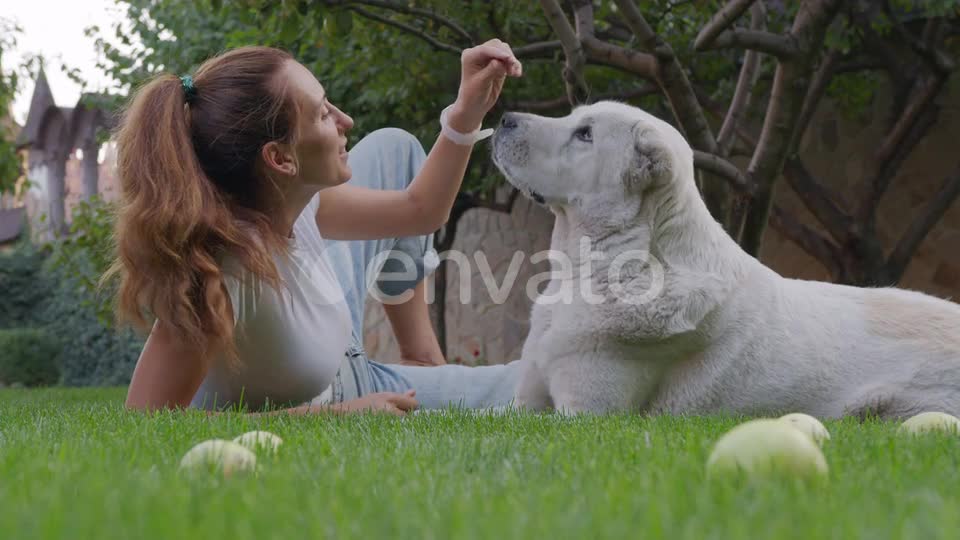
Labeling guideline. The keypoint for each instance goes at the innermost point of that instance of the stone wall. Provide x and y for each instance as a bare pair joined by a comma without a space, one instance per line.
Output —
836,149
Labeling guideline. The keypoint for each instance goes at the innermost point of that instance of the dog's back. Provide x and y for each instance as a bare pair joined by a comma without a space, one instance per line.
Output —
826,349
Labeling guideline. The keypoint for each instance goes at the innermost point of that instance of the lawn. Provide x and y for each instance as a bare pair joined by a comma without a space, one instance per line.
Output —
74,464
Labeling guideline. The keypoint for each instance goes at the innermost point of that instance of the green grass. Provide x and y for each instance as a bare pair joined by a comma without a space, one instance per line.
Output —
74,464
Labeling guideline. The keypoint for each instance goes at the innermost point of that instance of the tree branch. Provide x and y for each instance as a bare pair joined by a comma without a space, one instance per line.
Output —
784,47
561,102
818,87
905,134
924,46
932,212
583,17
809,240
724,169
639,26
577,89
790,85
634,62
716,110
543,49
435,43
401,7
683,101
720,21
745,83
615,33
819,200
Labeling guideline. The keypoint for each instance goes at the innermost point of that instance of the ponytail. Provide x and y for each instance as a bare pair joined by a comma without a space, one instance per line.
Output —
179,214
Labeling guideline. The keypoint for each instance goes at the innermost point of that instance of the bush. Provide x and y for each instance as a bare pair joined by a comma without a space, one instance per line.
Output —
77,312
29,356
23,285
54,288
95,351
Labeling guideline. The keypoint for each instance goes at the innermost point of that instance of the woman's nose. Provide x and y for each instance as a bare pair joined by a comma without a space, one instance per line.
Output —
345,121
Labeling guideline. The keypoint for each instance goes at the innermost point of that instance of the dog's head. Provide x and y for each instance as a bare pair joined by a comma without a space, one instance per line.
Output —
599,155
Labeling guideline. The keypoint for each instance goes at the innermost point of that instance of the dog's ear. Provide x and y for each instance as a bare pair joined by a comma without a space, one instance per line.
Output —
648,161
637,167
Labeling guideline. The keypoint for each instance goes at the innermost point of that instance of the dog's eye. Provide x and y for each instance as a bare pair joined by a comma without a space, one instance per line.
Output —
584,133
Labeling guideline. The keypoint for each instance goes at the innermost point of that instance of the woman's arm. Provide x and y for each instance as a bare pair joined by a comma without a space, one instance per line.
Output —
353,213
349,212
169,372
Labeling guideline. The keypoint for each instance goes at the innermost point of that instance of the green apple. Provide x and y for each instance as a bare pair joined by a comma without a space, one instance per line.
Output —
766,447
808,425
255,440
227,457
931,421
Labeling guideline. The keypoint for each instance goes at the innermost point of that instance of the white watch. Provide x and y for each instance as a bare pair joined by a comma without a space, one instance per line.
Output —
463,139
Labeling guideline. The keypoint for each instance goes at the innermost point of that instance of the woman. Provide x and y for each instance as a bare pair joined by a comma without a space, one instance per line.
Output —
241,239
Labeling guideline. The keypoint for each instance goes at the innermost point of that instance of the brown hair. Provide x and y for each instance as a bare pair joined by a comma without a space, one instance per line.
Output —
190,190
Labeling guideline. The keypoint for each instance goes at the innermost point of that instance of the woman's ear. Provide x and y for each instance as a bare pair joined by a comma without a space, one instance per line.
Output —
279,158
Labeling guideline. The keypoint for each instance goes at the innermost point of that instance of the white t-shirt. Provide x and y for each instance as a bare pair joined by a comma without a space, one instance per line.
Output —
292,342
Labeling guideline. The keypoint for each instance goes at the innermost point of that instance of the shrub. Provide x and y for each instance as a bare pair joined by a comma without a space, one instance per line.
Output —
29,356
95,351
86,252
54,288
23,285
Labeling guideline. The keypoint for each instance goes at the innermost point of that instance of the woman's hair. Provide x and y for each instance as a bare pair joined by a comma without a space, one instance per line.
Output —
187,160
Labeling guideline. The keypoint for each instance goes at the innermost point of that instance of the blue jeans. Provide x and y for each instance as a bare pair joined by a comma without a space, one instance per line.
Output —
390,159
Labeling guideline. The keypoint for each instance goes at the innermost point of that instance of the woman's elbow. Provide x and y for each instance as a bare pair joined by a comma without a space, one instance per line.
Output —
433,225
426,219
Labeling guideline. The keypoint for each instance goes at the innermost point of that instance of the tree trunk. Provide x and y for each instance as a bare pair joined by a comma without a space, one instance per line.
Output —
790,84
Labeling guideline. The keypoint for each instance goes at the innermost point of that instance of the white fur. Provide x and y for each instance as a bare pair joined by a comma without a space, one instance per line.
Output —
725,333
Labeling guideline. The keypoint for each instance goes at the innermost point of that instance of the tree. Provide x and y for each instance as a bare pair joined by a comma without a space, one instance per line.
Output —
386,63
827,44
716,68
10,163
817,47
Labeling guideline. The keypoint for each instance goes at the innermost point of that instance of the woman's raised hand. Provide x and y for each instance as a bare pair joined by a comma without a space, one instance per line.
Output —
484,68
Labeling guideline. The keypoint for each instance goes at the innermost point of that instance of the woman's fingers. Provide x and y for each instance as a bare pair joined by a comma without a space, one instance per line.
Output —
496,69
405,401
396,411
482,55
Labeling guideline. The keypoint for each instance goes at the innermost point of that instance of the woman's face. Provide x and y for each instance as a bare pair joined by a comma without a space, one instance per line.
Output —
321,145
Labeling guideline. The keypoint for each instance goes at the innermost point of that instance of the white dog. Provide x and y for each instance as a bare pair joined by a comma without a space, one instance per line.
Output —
677,318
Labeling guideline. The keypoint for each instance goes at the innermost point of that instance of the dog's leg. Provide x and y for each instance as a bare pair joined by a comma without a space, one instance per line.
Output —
532,392
600,385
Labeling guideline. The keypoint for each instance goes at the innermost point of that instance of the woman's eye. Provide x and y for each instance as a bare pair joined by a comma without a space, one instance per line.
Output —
584,134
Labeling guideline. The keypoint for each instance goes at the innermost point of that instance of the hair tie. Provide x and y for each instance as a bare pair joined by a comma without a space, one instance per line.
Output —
189,90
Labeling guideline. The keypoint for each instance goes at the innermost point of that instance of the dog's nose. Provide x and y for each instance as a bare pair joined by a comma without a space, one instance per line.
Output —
509,121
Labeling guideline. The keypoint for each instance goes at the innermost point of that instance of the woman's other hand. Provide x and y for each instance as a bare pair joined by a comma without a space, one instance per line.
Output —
388,402
484,69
